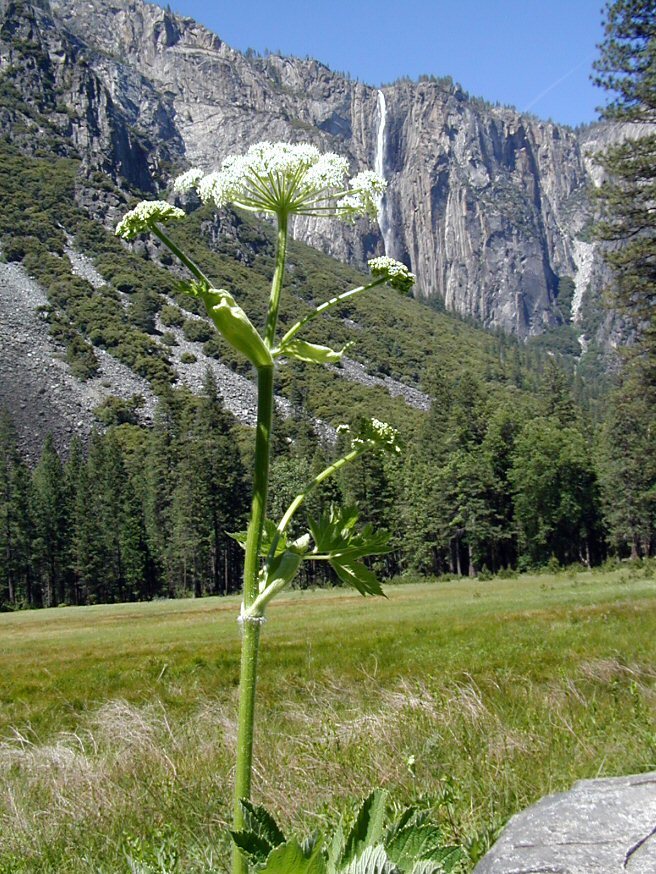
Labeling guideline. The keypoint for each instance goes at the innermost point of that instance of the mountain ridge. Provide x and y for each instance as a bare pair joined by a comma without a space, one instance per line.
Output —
484,203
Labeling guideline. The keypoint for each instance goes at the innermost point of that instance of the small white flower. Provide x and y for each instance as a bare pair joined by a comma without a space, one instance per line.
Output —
144,216
187,180
395,273
289,178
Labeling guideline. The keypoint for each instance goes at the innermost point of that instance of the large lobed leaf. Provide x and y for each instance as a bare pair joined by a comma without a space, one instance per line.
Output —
335,537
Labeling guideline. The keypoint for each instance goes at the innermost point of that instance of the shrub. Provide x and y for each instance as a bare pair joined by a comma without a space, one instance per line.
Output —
197,330
81,358
171,316
124,282
119,411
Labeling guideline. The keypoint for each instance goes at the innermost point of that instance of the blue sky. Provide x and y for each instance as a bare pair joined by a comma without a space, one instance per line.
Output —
533,54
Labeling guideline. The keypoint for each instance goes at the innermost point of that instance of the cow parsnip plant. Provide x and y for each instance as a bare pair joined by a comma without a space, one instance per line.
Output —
282,179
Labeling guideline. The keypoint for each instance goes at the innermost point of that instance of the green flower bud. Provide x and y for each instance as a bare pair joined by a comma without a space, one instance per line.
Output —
234,325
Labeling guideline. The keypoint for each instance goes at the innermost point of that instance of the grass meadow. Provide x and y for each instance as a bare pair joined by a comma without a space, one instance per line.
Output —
117,723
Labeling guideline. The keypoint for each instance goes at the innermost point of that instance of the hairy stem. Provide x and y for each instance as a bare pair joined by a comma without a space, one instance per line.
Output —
251,628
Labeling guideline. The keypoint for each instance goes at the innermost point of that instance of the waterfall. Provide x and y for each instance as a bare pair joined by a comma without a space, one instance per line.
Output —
379,167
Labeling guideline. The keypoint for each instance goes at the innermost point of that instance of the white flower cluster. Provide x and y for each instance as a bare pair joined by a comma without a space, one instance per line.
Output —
394,272
144,216
364,198
374,434
287,178
187,181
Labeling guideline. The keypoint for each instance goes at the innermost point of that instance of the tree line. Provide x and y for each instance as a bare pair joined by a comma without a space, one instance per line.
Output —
142,513
482,487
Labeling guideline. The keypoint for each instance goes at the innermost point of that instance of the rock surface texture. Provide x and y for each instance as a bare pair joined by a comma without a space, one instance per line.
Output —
484,203
599,827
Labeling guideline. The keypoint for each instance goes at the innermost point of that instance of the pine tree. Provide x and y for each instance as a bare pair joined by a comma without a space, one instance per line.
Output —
556,395
627,67
626,464
72,480
92,561
51,525
208,498
555,493
16,522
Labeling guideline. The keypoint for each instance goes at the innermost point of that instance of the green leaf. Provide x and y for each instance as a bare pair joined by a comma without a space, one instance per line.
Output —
442,861
260,834
335,850
368,828
239,536
258,819
374,860
333,533
332,529
424,867
289,859
358,576
366,542
311,352
268,534
255,848
408,816
412,843
334,536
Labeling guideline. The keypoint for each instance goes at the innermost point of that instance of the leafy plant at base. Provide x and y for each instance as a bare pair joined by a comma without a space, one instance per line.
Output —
283,180
407,845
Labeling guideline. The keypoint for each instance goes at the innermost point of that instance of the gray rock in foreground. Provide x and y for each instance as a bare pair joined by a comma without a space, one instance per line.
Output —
598,827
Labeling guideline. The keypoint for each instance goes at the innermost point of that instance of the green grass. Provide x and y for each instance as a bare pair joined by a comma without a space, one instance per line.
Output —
117,722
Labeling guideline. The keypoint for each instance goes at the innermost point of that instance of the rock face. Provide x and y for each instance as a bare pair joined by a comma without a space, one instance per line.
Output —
77,90
599,827
37,386
484,204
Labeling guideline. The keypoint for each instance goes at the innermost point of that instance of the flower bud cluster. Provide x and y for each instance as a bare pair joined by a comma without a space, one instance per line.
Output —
144,216
396,273
374,434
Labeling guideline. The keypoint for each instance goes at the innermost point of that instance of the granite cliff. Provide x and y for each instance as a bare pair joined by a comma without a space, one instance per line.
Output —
488,206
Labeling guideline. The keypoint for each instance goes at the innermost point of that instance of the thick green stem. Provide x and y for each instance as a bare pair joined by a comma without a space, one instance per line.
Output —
276,285
247,683
251,626
251,629
260,482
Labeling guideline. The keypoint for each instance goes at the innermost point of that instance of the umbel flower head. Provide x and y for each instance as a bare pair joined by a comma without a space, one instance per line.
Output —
286,179
144,216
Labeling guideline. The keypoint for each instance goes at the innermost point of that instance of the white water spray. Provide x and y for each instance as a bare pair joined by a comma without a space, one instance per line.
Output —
379,167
